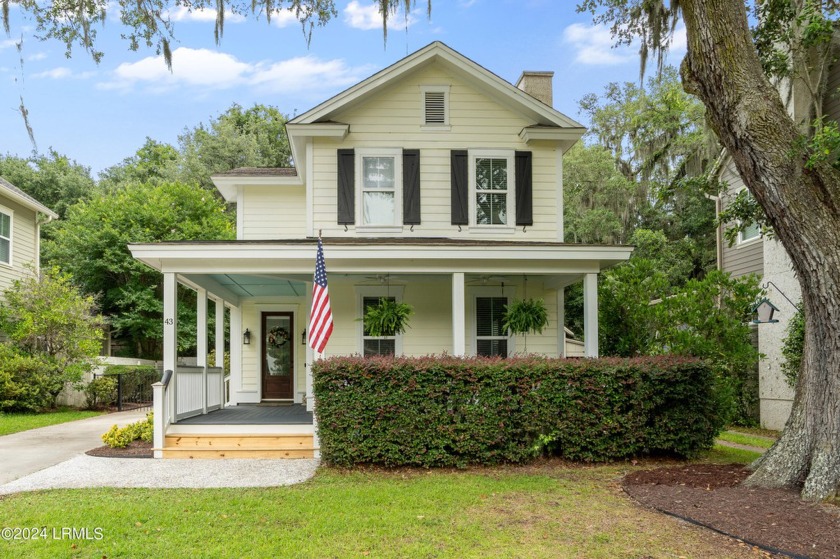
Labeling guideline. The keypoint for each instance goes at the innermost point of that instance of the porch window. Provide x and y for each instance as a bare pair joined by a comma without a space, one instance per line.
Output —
491,188
5,237
376,345
490,338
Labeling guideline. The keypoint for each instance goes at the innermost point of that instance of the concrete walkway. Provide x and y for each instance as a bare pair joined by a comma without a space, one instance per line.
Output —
30,451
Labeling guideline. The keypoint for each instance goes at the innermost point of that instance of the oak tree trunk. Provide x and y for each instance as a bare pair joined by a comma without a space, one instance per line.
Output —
801,204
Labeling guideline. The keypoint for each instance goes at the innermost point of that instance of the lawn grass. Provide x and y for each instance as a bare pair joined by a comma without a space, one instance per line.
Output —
745,439
550,509
758,431
721,454
16,422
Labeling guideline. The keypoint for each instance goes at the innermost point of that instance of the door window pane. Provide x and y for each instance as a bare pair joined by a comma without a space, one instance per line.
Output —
278,342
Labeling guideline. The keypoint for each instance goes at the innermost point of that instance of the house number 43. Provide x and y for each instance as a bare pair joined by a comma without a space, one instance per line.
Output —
169,321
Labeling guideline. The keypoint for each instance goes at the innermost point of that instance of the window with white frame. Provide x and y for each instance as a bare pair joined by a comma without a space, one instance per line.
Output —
376,345
5,237
752,231
490,337
491,188
380,187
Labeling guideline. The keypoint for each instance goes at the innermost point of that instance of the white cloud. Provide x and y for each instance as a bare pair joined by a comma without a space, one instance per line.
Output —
204,15
283,18
7,43
61,73
593,45
368,17
679,43
37,56
207,69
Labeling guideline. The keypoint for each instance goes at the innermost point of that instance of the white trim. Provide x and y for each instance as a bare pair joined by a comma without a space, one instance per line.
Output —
424,125
240,214
11,215
362,291
459,328
297,322
310,188
590,314
230,185
27,202
360,154
561,223
508,155
560,300
741,240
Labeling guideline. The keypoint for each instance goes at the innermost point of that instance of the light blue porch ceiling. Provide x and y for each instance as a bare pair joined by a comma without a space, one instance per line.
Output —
247,285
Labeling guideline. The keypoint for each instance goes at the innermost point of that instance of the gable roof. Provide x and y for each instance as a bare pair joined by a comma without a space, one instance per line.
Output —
496,87
24,199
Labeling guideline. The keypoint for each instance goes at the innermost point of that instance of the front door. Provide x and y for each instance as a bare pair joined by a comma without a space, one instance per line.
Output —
278,356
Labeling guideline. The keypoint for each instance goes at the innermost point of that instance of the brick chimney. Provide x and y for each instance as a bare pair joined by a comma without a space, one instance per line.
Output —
537,85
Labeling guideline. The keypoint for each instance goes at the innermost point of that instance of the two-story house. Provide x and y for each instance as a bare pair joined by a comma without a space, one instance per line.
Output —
21,217
433,182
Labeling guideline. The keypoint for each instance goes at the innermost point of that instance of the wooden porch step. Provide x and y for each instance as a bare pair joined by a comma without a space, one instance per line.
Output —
259,445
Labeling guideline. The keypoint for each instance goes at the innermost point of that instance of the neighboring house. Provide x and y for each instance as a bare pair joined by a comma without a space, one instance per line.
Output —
434,182
767,258
21,217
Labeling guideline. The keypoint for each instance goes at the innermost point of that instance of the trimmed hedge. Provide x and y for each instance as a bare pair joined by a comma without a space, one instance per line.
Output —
447,411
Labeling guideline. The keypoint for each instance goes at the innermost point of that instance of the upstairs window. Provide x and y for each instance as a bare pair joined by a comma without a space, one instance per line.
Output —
380,192
435,106
492,188
5,237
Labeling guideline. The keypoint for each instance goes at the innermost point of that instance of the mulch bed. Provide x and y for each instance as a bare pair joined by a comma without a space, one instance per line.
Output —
711,495
135,449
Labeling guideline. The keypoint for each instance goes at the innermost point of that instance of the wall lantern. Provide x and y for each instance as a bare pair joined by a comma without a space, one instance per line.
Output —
764,311
246,337
303,337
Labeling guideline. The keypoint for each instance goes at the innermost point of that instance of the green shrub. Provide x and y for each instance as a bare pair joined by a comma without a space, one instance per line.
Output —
121,437
101,392
794,346
447,411
28,383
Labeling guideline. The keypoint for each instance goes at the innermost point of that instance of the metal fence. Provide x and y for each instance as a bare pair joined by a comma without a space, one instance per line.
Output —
134,388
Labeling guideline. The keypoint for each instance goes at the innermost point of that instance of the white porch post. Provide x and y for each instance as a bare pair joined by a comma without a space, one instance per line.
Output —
170,345
201,342
310,353
590,315
561,322
235,353
459,341
219,345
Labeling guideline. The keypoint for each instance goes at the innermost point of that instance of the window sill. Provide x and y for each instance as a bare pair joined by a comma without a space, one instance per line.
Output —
491,230
6,264
379,229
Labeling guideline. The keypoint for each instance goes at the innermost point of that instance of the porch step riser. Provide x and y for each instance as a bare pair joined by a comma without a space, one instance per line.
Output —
239,446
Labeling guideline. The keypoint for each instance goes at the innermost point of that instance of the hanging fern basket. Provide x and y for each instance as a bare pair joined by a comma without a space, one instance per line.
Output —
526,316
387,318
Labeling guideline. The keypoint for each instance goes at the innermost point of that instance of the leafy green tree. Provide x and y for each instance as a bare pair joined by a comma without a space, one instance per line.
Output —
53,179
55,332
797,187
254,137
154,162
92,245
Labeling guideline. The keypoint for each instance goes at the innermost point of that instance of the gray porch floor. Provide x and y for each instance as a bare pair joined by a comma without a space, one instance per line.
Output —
254,414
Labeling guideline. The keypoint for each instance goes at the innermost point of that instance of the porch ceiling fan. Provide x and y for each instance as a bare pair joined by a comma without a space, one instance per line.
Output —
488,279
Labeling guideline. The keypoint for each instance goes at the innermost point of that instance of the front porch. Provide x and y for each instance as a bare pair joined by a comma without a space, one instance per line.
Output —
264,290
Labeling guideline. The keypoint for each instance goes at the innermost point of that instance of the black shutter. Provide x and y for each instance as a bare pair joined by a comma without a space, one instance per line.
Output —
460,188
411,186
524,189
346,187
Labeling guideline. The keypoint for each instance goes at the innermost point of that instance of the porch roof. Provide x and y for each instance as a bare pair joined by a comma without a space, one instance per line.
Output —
295,258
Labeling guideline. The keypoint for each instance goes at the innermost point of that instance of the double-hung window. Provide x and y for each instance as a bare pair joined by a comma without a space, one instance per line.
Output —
380,187
492,180
490,337
369,296
5,237
751,231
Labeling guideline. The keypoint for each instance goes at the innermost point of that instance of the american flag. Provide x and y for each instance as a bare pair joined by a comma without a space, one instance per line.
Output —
320,317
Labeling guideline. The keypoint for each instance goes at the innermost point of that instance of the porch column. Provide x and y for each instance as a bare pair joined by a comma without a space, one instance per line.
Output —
590,315
561,321
170,337
235,354
310,353
201,341
220,333
459,342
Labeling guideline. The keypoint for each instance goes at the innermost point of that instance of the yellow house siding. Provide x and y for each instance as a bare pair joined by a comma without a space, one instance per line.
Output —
741,258
393,119
273,212
24,244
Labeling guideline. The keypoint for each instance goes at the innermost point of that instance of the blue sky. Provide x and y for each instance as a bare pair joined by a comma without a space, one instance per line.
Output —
100,114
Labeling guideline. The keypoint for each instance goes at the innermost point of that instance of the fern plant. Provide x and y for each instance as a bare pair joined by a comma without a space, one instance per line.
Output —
387,318
525,316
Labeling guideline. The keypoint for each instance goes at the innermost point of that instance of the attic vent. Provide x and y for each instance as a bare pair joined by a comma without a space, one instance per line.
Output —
435,107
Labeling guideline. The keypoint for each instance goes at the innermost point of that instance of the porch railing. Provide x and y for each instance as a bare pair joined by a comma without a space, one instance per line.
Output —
197,390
